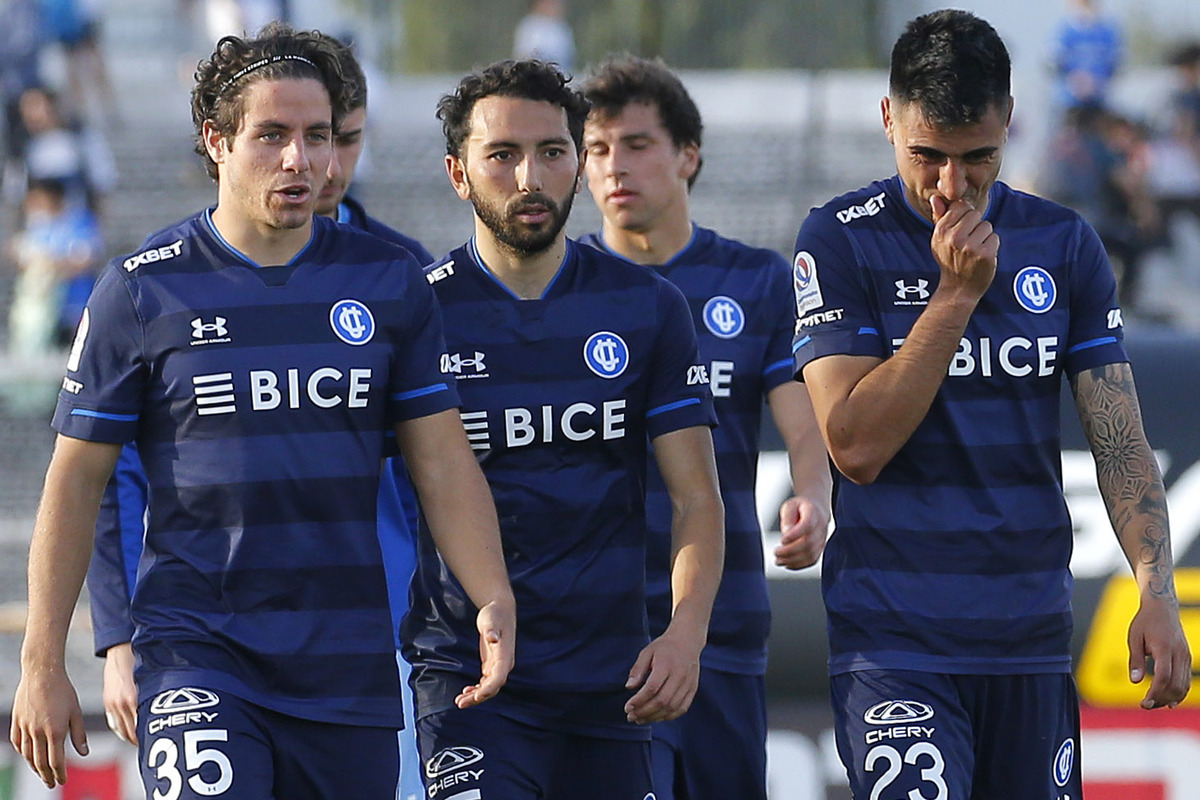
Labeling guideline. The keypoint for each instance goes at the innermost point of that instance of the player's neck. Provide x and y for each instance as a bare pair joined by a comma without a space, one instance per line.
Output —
525,275
264,245
655,245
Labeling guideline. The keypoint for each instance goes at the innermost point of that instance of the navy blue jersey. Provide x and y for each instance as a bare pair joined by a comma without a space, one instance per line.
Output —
351,212
956,558
740,298
560,396
259,398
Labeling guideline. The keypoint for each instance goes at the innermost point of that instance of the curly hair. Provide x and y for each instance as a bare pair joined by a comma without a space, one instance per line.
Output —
527,79
278,52
625,79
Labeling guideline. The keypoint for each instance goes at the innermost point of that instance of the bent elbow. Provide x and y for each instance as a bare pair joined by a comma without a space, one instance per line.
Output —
857,465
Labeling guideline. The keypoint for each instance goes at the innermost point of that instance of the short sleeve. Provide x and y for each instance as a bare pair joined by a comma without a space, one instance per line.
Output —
418,387
101,396
1097,334
835,313
679,395
777,361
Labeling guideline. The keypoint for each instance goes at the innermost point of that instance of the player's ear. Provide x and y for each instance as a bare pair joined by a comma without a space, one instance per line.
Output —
456,171
214,141
885,107
690,162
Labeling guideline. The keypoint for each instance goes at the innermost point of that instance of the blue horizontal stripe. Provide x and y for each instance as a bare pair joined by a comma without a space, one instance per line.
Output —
84,412
1092,343
437,387
691,401
866,330
801,343
785,363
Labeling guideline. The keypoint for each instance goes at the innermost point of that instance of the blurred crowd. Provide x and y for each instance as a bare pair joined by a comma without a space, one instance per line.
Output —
1135,179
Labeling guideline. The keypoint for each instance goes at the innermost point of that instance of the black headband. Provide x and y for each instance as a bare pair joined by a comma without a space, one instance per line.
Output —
244,71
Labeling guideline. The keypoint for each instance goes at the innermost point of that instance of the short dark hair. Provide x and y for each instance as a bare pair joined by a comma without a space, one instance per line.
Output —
352,72
953,65
277,53
527,79
625,79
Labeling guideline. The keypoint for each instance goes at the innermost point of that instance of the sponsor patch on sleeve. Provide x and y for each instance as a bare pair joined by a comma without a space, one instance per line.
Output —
804,280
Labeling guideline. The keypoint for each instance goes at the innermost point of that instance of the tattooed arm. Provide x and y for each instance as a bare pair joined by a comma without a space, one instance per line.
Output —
1133,492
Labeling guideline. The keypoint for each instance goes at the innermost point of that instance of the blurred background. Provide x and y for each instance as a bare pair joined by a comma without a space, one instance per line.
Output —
97,154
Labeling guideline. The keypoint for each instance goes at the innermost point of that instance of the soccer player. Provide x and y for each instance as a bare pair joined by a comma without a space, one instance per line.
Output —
260,406
568,362
642,141
120,525
940,311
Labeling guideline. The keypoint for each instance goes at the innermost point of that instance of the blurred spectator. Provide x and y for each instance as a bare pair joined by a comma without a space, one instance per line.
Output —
1099,165
75,26
56,254
76,155
1180,172
1087,53
20,57
544,33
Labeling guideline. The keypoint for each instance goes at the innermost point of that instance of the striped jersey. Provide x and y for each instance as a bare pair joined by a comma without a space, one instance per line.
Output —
120,526
955,559
740,300
560,396
260,398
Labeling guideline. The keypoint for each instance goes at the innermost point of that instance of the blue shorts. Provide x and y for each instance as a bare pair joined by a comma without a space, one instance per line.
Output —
196,743
479,754
718,749
985,737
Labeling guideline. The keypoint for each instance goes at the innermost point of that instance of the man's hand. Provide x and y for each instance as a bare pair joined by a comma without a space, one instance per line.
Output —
668,672
45,710
965,247
804,526
1155,632
120,693
497,626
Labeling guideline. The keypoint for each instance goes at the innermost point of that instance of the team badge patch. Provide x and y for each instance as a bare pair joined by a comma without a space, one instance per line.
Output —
804,281
606,354
1064,762
1035,290
723,317
352,321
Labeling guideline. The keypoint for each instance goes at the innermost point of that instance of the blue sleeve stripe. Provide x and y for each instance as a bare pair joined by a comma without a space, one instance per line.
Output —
872,331
691,401
437,387
85,412
1092,343
801,343
785,363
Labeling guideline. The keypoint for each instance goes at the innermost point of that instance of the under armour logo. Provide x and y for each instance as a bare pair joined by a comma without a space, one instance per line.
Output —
454,362
202,329
920,289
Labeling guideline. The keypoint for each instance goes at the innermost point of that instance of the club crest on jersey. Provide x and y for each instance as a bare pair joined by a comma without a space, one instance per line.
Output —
1064,762
1035,289
804,281
723,317
606,354
352,321
890,712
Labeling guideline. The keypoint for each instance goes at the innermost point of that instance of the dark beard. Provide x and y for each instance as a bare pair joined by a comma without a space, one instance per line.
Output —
522,240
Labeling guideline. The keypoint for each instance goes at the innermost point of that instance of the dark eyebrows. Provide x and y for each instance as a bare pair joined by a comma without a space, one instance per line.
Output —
977,154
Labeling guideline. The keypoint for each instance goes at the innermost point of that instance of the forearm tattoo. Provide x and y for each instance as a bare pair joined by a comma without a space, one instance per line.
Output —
1128,474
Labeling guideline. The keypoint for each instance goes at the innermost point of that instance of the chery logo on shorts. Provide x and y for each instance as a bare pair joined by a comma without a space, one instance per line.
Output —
890,712
451,759
185,699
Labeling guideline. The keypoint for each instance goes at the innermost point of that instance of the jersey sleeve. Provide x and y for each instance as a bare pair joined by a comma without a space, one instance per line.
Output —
1096,335
418,387
120,529
679,388
101,397
777,363
835,314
